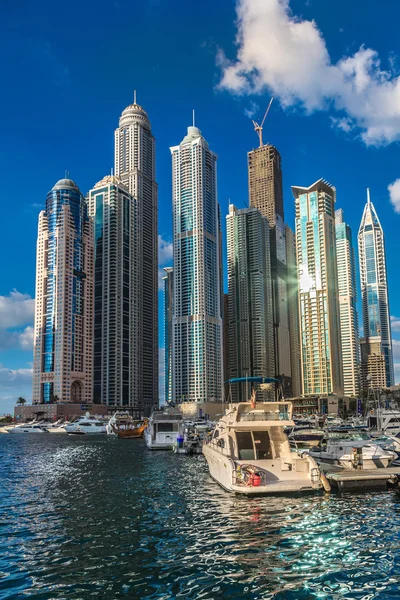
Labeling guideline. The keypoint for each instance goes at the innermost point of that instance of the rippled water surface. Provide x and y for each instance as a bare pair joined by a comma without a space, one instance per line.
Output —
105,518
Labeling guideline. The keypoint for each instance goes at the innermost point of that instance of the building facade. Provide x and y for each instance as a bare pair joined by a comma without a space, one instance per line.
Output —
168,280
251,311
265,194
197,323
376,346
62,366
293,310
347,287
135,158
318,289
116,374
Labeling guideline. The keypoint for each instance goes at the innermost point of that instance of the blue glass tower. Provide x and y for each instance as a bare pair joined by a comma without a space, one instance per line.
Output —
197,322
63,306
376,346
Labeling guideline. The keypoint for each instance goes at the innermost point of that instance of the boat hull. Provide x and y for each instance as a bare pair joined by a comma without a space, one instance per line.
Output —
222,470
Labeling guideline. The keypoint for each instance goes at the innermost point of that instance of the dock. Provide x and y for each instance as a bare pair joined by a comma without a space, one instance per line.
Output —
364,479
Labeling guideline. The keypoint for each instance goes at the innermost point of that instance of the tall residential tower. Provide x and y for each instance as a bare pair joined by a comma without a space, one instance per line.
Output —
135,158
265,193
318,289
250,319
62,368
197,322
117,372
168,314
347,286
376,346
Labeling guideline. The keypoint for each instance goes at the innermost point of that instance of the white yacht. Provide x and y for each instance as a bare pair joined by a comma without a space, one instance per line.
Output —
384,421
249,452
27,428
162,429
352,450
87,424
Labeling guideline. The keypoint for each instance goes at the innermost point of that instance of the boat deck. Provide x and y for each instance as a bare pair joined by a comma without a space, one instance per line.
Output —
364,479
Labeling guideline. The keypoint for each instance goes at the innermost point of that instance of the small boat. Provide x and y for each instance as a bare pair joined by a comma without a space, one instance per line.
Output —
384,421
352,449
27,428
130,428
162,429
88,424
305,438
191,437
249,453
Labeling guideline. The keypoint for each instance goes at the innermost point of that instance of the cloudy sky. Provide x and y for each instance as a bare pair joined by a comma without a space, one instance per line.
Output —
332,67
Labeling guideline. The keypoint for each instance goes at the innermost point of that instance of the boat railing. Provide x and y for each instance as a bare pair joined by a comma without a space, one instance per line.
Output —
248,475
264,416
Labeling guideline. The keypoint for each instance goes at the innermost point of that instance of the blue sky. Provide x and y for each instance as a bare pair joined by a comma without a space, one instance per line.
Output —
69,69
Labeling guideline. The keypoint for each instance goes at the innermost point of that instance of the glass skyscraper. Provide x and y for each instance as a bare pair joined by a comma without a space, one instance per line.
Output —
347,287
197,323
168,313
251,311
376,346
318,289
116,376
135,166
62,369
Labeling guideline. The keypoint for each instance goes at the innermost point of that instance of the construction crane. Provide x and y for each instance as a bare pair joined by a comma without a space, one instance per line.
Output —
259,128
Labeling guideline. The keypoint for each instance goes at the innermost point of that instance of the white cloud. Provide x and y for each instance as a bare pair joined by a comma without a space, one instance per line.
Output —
165,256
14,383
165,251
288,56
16,310
395,323
396,349
394,194
17,339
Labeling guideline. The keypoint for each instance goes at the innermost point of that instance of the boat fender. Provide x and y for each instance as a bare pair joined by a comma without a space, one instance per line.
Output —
325,482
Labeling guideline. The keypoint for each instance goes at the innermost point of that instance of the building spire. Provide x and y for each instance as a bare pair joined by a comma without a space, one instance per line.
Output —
193,119
368,197
134,96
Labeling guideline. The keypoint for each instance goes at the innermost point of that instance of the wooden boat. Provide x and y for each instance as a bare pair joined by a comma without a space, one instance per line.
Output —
128,428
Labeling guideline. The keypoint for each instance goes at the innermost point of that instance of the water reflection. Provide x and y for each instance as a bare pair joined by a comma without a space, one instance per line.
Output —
105,518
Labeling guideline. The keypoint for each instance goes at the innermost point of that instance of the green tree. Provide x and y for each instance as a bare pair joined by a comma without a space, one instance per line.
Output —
21,401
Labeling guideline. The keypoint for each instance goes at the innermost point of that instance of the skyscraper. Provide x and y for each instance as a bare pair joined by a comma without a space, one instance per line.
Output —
62,368
197,323
293,309
265,193
168,314
117,371
350,344
251,341
376,346
318,289
135,166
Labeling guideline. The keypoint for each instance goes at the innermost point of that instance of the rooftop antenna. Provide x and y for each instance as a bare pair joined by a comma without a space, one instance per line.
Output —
193,119
134,96
66,174
368,197
259,128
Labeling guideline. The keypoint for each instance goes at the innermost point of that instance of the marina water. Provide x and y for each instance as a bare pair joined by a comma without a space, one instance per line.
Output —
100,517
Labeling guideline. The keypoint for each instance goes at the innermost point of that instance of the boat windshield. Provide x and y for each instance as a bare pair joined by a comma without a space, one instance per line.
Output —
349,435
278,414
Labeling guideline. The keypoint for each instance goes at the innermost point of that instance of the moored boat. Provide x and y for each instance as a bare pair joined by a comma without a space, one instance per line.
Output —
88,424
162,429
249,452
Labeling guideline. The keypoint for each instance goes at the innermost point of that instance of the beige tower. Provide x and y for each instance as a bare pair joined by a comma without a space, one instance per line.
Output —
318,289
62,369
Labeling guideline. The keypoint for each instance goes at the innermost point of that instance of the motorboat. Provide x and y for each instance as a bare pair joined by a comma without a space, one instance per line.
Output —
88,424
249,452
58,427
162,429
305,438
352,449
384,421
332,421
27,428
191,437
389,442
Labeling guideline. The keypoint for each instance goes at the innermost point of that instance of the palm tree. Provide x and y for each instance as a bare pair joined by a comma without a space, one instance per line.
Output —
21,401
